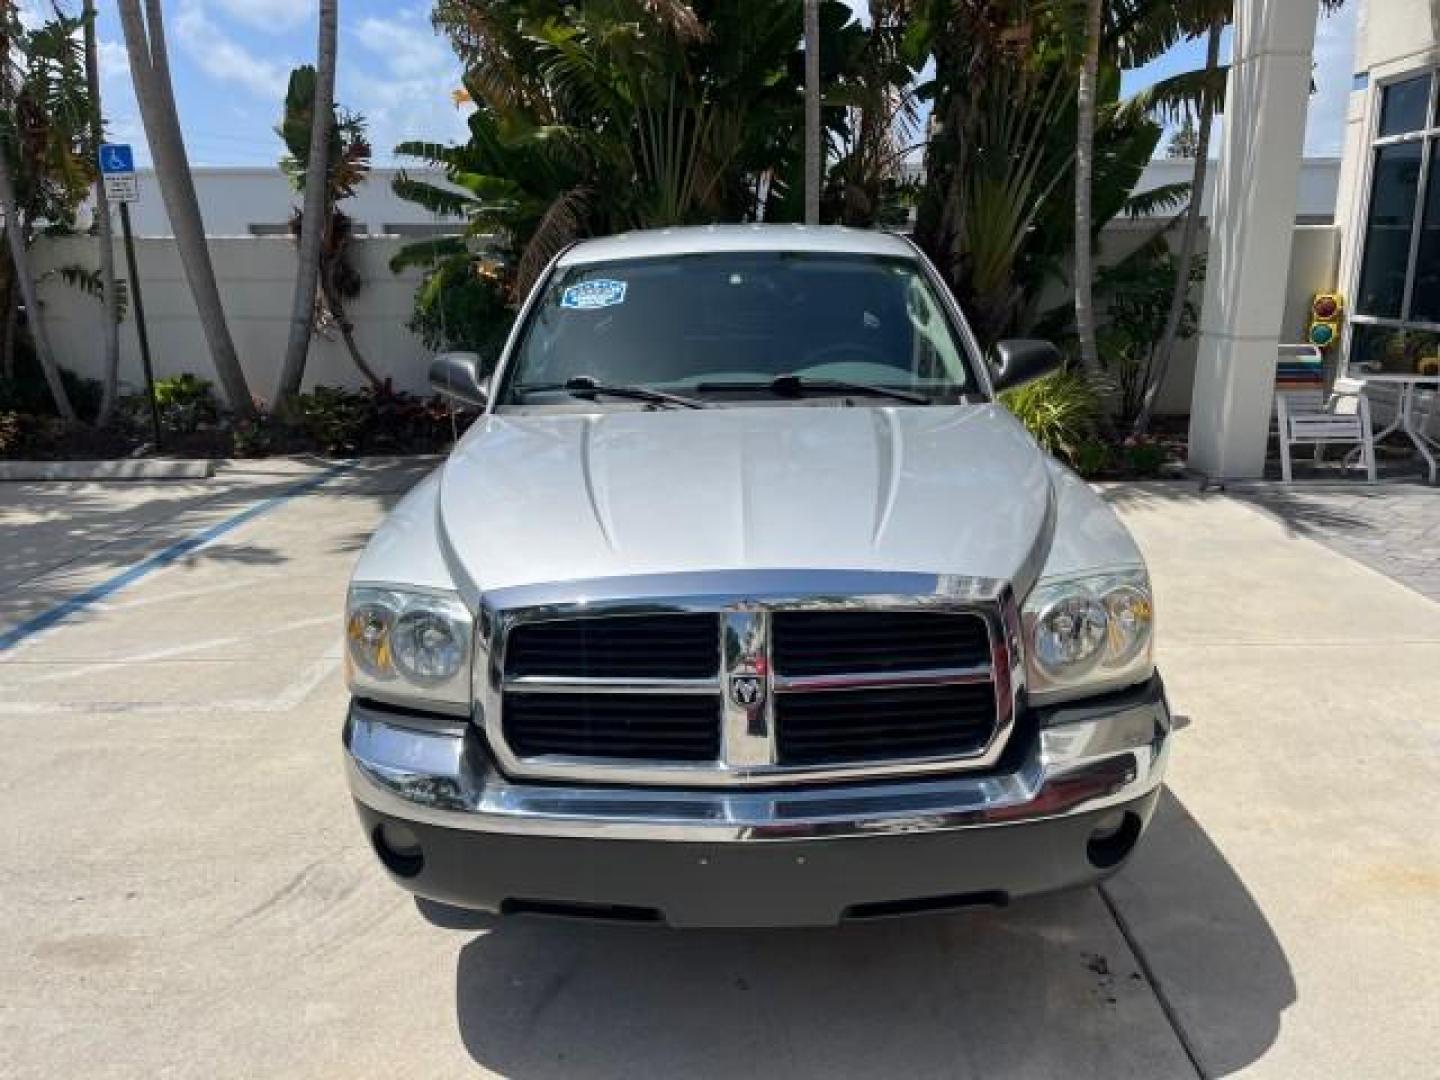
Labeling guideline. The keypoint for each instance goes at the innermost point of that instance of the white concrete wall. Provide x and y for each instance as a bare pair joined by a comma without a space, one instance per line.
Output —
256,279
257,274
234,199
1315,205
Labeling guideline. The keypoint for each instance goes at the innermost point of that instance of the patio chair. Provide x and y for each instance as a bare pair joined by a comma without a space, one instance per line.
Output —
1307,416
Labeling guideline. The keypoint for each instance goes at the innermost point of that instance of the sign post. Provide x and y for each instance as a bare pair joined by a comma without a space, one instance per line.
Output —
117,171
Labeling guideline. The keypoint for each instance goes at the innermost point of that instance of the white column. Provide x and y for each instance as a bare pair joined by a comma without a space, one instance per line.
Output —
1251,224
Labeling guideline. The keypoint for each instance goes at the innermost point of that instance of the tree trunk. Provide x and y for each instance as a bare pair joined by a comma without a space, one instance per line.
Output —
8,319
315,216
111,331
812,112
1084,169
20,263
150,71
347,334
1187,240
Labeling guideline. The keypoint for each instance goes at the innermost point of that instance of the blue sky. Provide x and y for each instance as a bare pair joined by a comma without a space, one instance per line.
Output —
230,60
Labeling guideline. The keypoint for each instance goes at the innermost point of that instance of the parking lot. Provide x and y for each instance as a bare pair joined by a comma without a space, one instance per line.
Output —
186,891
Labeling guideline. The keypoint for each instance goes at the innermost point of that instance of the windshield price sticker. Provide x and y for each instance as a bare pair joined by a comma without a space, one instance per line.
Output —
590,295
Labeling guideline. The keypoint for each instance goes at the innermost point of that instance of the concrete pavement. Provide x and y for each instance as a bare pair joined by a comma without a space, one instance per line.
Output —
186,891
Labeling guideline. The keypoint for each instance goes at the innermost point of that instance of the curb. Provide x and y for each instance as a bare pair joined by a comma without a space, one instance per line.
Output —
128,469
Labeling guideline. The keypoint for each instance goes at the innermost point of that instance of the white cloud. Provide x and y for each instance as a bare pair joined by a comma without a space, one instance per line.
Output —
1334,61
272,15
117,99
31,13
409,97
225,59
410,49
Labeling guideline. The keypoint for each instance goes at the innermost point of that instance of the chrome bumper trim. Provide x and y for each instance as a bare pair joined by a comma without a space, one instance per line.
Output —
442,777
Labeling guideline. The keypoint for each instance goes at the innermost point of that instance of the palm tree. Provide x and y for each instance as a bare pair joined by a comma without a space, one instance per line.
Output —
42,174
314,217
150,72
347,158
20,261
812,112
109,295
1084,170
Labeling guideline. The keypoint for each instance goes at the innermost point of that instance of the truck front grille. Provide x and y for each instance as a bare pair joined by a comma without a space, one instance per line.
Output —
829,727
631,646
631,726
749,693
827,642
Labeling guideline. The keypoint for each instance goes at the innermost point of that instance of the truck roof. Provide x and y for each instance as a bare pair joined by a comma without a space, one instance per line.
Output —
695,240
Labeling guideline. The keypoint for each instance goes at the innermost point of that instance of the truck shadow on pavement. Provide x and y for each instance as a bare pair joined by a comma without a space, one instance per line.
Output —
1047,987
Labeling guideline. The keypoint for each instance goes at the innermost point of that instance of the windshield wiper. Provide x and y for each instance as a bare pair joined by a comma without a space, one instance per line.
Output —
589,387
800,385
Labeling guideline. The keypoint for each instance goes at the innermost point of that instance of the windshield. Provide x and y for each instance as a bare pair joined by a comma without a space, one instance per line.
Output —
727,324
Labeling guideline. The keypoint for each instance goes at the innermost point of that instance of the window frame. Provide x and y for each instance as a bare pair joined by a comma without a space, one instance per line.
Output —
1426,136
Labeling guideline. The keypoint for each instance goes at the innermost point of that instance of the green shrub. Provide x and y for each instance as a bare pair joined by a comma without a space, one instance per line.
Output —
186,403
1062,411
1143,457
458,308
1092,458
337,419
28,392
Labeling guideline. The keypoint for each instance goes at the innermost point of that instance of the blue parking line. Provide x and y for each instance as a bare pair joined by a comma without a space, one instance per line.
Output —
161,559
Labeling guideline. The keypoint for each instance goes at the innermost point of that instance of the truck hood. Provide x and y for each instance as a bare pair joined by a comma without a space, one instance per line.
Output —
545,498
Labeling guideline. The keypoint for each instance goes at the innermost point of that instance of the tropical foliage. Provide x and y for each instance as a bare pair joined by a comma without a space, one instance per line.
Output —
997,214
47,160
607,115
348,158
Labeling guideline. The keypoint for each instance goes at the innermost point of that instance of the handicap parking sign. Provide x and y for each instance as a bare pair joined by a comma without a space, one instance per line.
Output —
116,158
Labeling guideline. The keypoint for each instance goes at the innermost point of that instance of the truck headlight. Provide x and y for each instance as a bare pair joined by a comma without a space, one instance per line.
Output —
408,646
1088,634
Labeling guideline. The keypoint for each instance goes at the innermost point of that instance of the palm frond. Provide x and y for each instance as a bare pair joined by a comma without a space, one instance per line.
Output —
558,227
679,18
1172,98
88,281
431,197
1152,203
427,253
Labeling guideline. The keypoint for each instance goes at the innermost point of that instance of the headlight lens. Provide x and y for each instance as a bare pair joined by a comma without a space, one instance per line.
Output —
425,648
1086,635
408,646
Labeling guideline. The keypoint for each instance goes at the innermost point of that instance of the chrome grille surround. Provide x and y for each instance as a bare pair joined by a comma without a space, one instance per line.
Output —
742,601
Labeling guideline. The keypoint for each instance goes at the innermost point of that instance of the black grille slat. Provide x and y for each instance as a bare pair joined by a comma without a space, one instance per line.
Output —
866,642
663,646
838,727
678,727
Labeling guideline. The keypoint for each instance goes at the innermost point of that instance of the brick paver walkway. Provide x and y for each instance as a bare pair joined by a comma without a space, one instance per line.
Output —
1391,527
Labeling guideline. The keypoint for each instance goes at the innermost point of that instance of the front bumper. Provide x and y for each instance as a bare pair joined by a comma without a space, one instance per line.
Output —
1066,812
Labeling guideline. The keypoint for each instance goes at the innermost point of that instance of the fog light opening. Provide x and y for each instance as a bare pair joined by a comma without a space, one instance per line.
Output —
1113,840
398,848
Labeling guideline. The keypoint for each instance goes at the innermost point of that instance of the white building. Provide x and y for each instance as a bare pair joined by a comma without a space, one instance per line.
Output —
1389,188
258,200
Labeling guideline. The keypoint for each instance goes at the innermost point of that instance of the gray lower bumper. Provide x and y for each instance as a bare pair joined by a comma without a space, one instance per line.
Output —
762,857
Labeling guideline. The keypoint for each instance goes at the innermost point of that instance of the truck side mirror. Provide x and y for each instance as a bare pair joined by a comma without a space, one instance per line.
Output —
457,375
1022,360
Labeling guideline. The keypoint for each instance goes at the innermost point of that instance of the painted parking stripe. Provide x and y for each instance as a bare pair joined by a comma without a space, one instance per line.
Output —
161,559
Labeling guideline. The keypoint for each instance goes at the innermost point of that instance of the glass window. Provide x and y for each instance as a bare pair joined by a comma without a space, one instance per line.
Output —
680,322
1404,106
1388,229
1425,292
1390,350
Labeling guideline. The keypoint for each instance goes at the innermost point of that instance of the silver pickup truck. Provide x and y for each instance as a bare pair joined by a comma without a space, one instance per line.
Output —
744,603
